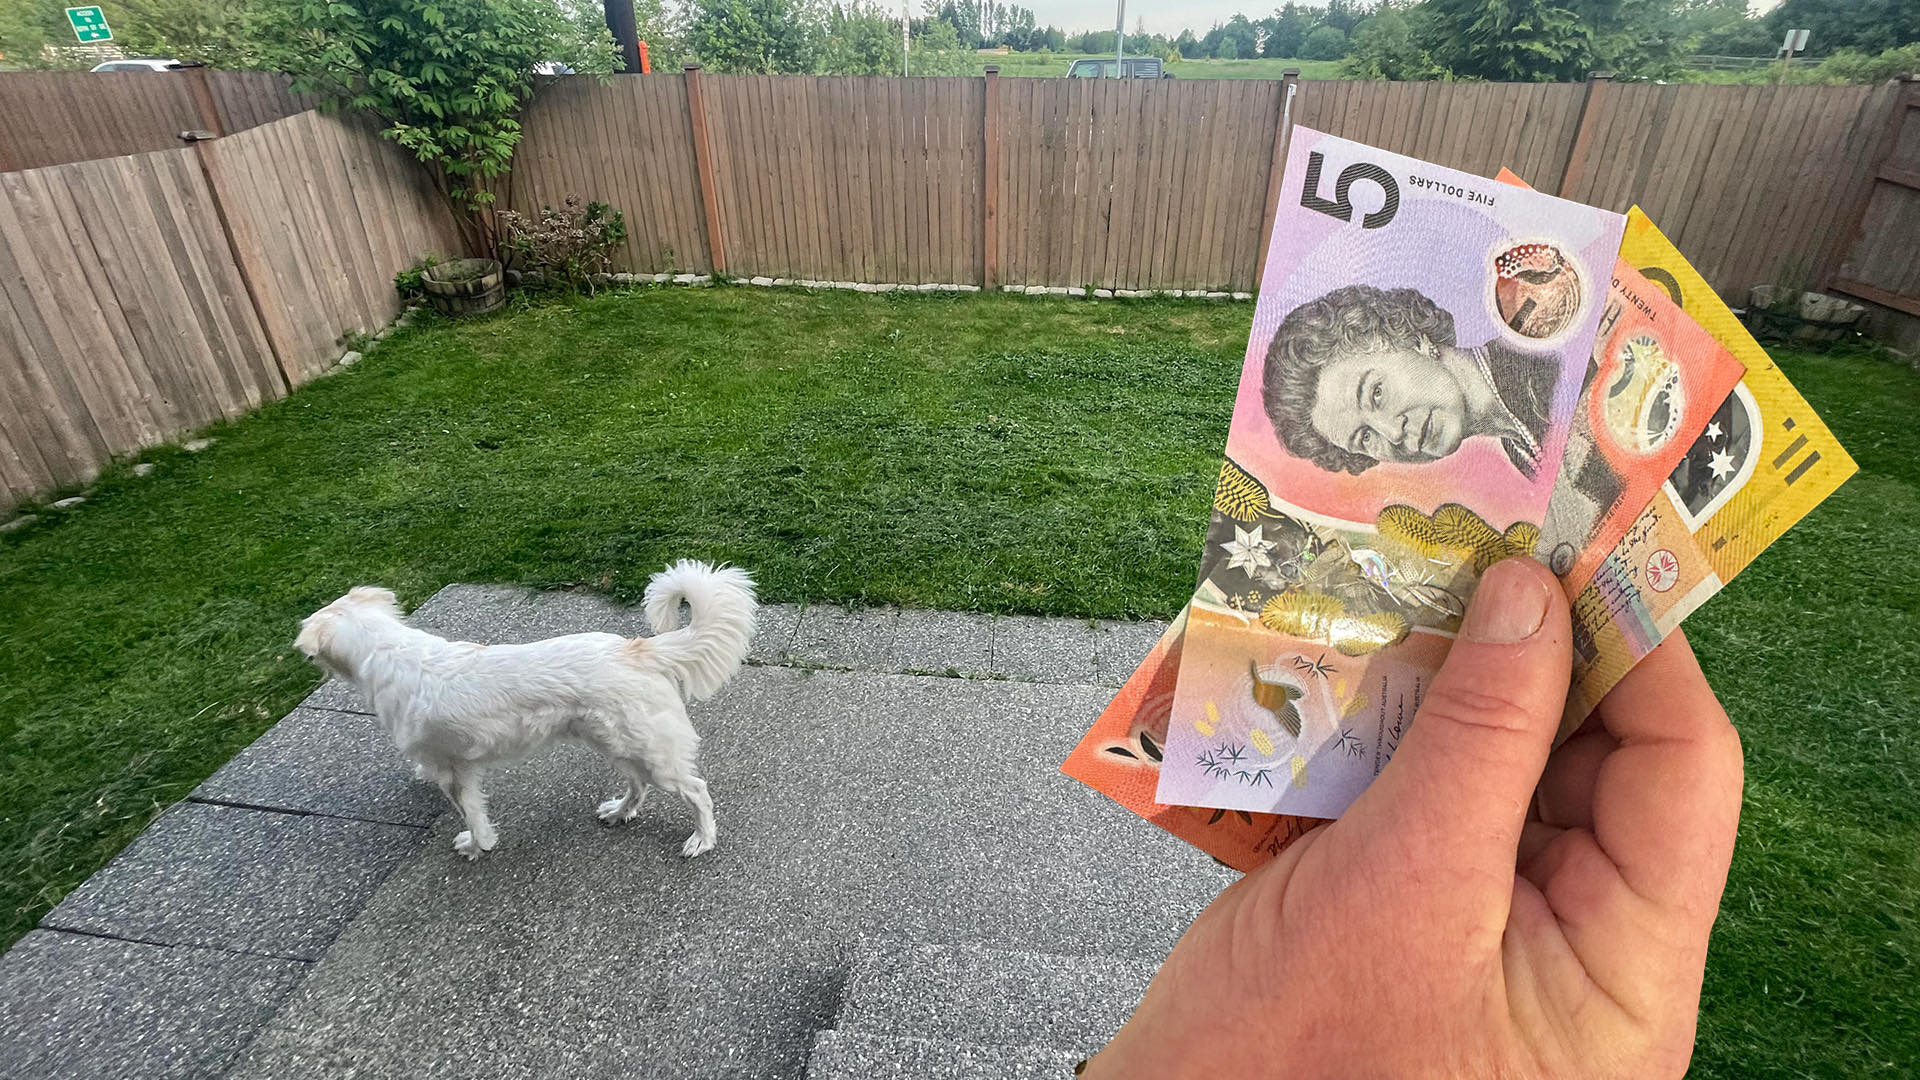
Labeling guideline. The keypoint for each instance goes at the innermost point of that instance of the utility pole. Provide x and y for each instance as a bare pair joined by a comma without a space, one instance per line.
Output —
625,34
1120,42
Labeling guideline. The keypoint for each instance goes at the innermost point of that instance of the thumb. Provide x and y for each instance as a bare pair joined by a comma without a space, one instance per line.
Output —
1456,792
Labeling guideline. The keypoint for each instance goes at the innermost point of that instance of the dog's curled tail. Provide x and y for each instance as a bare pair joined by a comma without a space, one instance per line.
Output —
704,654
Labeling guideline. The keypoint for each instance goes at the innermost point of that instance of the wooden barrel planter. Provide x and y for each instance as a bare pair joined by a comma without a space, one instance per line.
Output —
465,287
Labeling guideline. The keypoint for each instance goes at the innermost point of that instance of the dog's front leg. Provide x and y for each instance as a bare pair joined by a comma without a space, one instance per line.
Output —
462,788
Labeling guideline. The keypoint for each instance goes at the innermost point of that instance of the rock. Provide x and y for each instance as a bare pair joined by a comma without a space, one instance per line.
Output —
69,502
349,359
623,279
761,281
1173,293
886,287
780,281
662,279
600,281
703,279
1058,290
968,288
928,286
1103,294
866,286
194,446
1215,295
513,277
1243,296
20,522
1076,290
145,468
683,279
1013,288
843,284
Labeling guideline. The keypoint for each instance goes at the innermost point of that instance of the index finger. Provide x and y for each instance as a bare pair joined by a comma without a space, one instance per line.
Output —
1666,804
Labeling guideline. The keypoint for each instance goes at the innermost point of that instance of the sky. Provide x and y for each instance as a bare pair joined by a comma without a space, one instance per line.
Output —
1169,17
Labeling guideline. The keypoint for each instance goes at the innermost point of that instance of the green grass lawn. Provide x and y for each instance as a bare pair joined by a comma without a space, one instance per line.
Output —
989,453
1034,65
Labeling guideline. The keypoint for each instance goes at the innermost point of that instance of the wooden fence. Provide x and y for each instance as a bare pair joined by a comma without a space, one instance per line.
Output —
1160,184
54,117
144,296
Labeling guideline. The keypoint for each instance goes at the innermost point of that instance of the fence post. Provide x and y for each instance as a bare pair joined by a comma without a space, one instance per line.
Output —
990,185
242,244
1282,135
196,74
703,158
1598,86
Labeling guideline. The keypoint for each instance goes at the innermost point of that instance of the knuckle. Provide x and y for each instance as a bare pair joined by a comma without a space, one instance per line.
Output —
1467,706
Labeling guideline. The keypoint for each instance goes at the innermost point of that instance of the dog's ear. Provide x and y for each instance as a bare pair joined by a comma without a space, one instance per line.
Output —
316,634
373,594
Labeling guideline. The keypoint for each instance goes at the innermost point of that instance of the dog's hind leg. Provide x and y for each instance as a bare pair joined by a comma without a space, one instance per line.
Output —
462,788
694,790
614,811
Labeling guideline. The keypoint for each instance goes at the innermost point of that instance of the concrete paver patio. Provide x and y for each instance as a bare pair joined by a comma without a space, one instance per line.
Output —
885,782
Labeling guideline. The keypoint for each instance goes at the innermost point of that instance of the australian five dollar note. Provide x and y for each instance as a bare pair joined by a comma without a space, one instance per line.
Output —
1420,342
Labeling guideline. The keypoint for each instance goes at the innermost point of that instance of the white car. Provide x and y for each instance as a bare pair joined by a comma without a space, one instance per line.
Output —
143,64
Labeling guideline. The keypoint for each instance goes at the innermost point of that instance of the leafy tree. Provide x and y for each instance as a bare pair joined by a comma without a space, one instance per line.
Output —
446,77
1850,66
940,51
1187,45
1505,40
763,37
222,33
1383,47
1344,15
1053,39
1228,49
1634,39
860,39
1325,43
1287,30
1742,37
1243,34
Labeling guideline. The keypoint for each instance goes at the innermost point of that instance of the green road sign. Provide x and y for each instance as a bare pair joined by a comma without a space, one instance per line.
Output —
89,24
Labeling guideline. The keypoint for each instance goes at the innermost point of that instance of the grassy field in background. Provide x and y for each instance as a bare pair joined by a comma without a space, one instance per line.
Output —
988,453
1026,65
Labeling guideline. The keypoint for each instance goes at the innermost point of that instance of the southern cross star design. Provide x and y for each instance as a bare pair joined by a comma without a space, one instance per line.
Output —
1248,549
1720,464
1713,430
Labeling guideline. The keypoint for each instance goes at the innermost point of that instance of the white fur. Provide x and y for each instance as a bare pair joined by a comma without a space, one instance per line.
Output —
457,709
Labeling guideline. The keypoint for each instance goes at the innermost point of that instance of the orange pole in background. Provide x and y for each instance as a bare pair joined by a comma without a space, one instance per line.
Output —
646,67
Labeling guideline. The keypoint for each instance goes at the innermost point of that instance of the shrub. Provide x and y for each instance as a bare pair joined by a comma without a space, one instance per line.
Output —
567,246
1325,43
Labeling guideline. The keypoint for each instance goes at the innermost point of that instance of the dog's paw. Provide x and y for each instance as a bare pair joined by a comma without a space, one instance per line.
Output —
466,845
696,845
612,811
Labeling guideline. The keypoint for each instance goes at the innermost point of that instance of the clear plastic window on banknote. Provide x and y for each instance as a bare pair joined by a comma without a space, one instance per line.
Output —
1443,371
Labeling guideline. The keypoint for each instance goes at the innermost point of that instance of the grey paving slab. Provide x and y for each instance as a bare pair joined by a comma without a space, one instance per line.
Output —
860,639
1000,997
1044,650
78,1006
942,643
253,881
851,806
324,762
715,1006
554,613
773,631
473,612
843,1055
1120,646
337,695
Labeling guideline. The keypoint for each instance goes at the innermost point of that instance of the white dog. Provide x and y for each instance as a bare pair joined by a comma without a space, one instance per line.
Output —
457,708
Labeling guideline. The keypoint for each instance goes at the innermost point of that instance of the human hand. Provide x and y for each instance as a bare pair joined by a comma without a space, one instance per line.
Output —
1485,909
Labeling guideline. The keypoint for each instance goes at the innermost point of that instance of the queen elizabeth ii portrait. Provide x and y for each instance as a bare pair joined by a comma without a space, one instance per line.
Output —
1363,375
